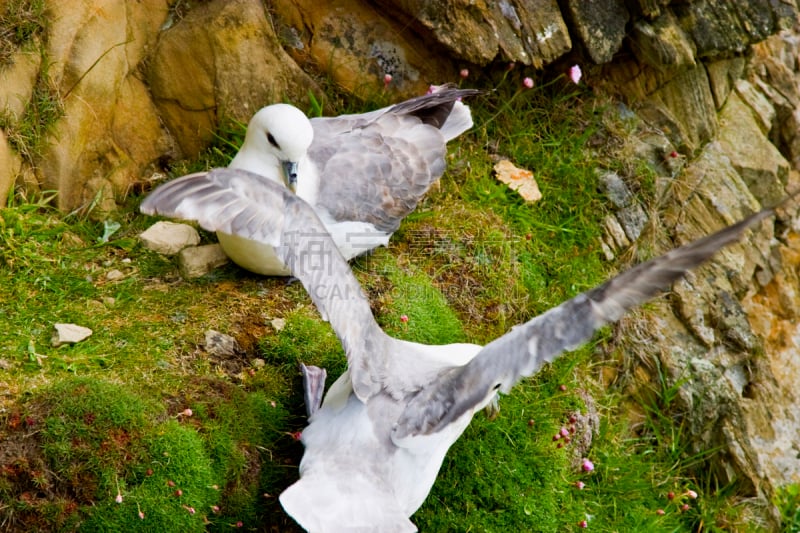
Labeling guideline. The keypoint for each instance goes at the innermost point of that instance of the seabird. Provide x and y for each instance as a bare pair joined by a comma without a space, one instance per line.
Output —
374,447
362,173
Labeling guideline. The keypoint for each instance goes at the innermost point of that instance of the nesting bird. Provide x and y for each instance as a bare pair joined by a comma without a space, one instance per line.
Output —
374,447
362,173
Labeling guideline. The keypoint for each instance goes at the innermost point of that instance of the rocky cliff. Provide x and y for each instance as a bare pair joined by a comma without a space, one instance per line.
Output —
96,95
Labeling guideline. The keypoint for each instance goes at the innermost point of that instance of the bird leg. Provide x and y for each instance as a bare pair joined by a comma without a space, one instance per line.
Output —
313,387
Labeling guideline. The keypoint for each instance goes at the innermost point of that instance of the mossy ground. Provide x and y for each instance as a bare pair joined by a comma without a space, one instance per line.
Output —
83,426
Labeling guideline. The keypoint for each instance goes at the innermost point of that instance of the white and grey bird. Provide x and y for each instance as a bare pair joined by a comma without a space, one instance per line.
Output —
374,447
362,173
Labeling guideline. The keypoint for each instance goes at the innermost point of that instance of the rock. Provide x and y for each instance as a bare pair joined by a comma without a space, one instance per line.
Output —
93,47
756,159
278,324
722,75
219,344
719,27
374,45
532,32
629,212
17,80
684,109
196,261
114,275
10,167
662,44
169,238
617,239
69,334
518,179
221,61
600,25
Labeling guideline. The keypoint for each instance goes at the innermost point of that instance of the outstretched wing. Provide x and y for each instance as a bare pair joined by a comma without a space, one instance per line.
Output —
375,167
242,203
522,351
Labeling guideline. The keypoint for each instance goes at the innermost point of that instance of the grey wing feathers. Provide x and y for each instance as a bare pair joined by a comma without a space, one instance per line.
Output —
379,178
375,167
242,203
523,350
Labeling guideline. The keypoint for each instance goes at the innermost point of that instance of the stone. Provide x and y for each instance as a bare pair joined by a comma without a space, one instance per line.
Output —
93,47
684,109
169,238
762,109
278,324
518,179
17,81
69,334
219,344
600,26
629,213
719,27
196,261
114,275
662,44
722,75
760,164
222,61
532,32
10,168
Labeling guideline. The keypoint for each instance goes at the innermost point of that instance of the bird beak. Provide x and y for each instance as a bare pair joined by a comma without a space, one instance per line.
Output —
290,174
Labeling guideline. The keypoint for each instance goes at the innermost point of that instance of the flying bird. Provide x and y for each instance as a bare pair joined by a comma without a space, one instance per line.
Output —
374,447
362,173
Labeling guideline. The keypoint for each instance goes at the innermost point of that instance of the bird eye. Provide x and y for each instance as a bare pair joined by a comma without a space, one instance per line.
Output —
272,141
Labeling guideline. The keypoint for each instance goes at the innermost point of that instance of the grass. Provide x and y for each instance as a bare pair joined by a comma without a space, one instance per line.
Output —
21,21
81,424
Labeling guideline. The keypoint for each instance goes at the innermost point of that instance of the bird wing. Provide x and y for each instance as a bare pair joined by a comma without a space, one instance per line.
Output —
242,203
523,350
375,167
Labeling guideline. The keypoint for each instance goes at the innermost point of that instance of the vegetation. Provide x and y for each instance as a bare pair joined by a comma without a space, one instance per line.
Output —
139,428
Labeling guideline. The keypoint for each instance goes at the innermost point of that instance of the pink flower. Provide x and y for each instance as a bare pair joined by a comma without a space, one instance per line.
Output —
670,495
527,83
564,432
141,515
464,73
387,79
580,485
403,318
239,524
118,499
685,507
692,494
583,524
562,388
215,509
673,154
587,465
170,483
660,512
296,435
575,74
186,412
190,509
